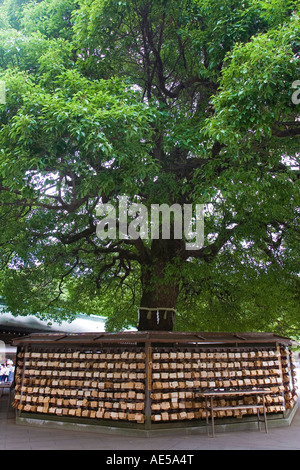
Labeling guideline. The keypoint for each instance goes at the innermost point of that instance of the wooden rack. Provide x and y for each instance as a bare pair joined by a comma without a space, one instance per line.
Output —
150,379
104,385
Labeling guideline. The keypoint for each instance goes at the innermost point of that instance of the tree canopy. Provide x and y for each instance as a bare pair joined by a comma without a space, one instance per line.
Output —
163,101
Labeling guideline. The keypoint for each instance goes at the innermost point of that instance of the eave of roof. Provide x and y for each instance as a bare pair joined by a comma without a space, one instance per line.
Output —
153,337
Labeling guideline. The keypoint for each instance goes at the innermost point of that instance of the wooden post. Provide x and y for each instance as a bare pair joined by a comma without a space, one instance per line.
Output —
23,374
281,376
148,384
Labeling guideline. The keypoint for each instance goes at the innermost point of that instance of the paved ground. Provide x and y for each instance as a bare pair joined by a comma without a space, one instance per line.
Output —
25,437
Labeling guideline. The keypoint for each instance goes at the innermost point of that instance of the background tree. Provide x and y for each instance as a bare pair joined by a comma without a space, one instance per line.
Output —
166,102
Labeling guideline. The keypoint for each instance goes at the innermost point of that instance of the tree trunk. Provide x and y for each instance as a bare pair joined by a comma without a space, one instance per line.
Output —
157,310
159,295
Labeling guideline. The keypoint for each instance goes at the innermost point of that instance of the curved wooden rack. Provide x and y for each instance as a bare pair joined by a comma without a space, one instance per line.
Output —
149,378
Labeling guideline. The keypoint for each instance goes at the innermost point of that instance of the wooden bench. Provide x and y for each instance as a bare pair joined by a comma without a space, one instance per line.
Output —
211,395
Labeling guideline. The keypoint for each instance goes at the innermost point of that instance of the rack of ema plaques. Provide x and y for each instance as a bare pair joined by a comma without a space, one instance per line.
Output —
150,380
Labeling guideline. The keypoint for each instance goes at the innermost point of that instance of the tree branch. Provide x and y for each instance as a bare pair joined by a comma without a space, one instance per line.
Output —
292,129
209,252
60,291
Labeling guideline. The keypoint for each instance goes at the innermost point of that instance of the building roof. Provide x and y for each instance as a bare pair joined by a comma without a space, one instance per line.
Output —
12,327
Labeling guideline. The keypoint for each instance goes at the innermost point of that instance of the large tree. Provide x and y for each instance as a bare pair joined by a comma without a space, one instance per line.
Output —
162,101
